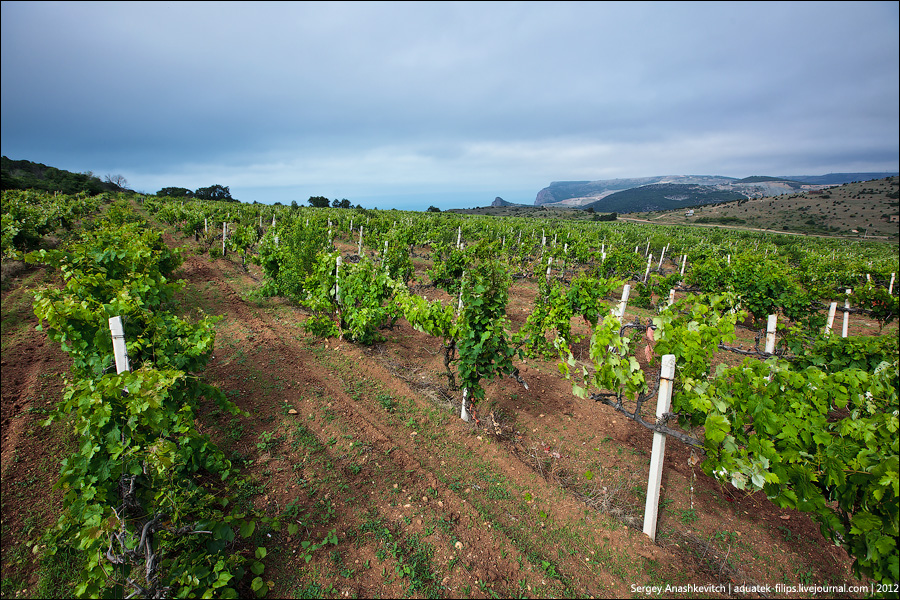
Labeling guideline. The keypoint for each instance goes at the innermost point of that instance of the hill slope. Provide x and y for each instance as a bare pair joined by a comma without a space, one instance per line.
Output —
662,196
862,206
24,174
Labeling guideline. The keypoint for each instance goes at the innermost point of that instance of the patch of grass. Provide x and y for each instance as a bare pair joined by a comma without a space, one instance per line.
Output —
688,516
58,573
387,402
413,556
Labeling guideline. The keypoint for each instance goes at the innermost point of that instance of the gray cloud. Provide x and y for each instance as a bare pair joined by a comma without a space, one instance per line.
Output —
382,98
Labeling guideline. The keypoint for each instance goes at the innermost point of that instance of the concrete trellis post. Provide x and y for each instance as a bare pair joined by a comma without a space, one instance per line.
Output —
647,270
831,311
664,401
891,286
464,412
117,331
224,235
459,237
337,279
683,264
846,328
671,296
205,225
549,266
771,326
359,249
620,311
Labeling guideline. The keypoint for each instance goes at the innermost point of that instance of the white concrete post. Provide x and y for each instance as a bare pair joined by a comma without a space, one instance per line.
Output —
846,328
224,235
831,311
664,400
549,266
337,285
671,296
359,248
891,286
118,339
620,311
464,412
770,334
647,270
683,264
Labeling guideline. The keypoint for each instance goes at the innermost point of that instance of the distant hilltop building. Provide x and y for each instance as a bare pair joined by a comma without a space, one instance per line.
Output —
689,213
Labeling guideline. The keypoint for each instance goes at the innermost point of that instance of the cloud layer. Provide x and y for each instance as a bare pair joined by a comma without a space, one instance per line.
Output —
281,101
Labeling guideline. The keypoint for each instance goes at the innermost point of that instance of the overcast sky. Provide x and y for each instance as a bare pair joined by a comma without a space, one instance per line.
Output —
411,104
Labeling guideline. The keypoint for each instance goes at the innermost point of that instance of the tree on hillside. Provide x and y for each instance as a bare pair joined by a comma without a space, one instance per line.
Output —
433,209
319,201
214,192
340,203
117,180
175,192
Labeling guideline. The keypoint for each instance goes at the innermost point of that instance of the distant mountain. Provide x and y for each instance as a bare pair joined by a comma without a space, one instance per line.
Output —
498,201
688,190
583,192
840,178
663,196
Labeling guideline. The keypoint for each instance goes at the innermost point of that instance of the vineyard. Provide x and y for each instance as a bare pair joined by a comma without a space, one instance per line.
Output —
352,403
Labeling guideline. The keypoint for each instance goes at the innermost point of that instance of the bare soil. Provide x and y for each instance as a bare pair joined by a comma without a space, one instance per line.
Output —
542,497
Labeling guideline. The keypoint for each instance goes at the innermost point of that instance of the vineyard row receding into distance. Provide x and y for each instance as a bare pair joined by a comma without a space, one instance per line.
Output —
810,419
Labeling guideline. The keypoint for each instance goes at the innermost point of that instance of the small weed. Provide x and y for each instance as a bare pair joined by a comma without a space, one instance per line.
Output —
387,402
805,577
268,441
549,568
688,516
727,537
787,534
